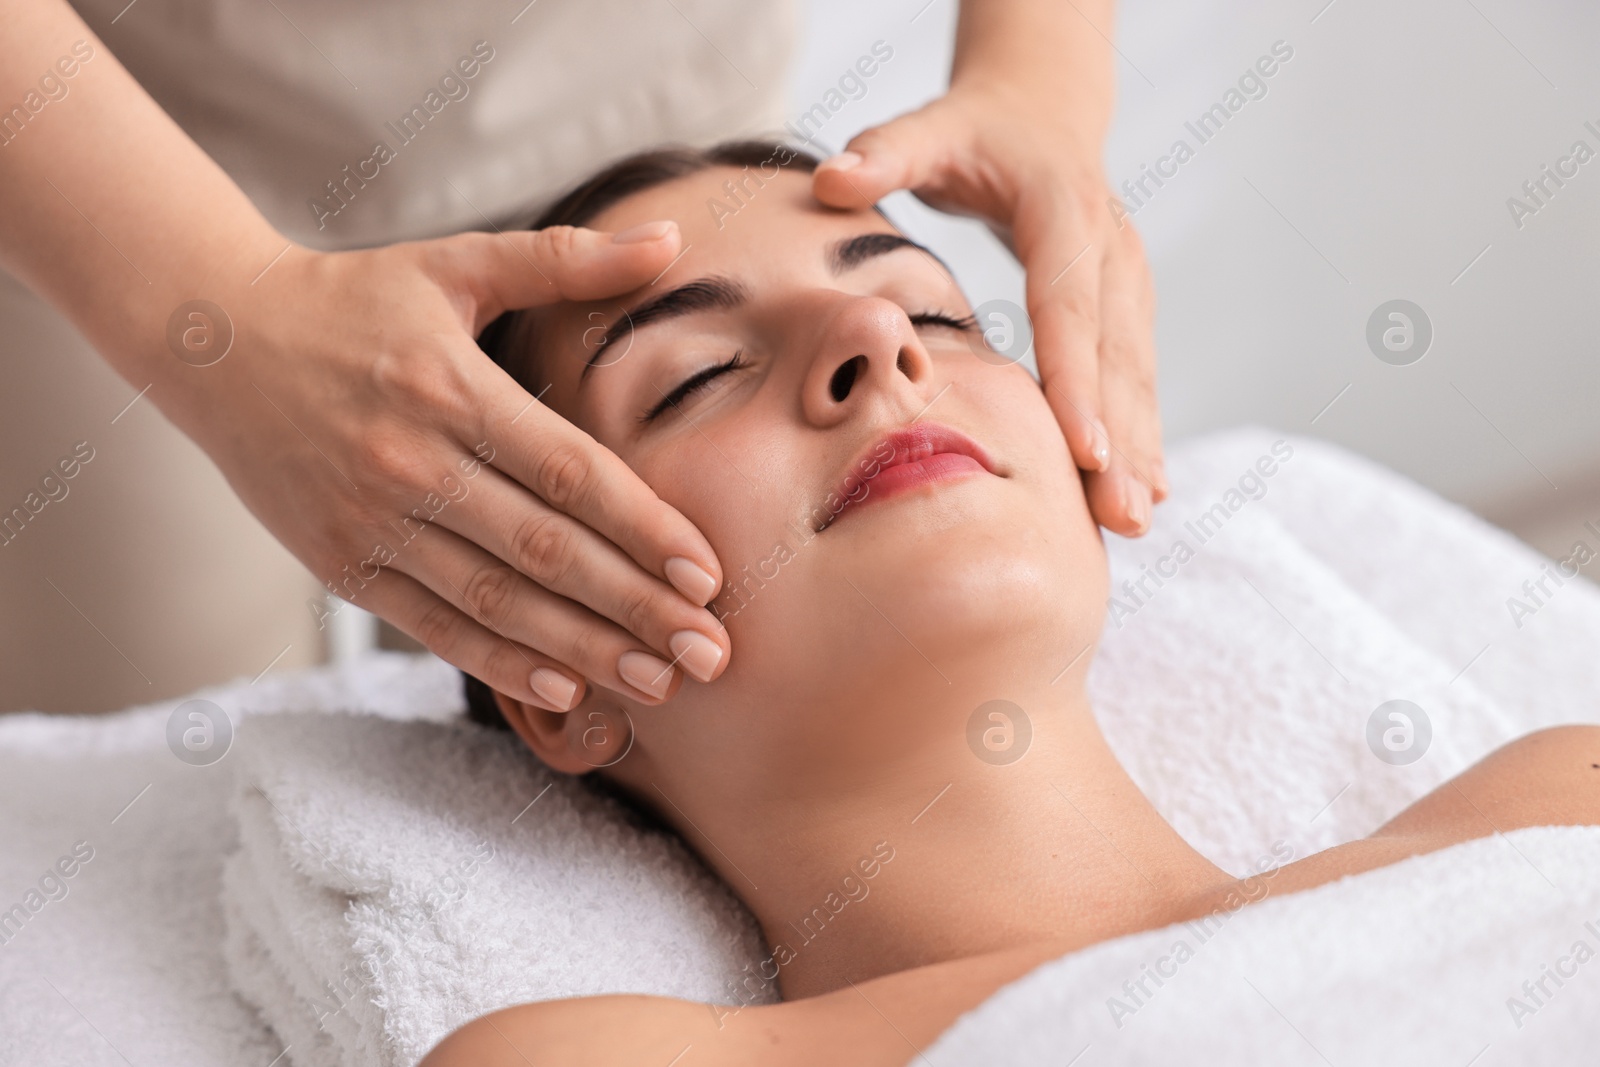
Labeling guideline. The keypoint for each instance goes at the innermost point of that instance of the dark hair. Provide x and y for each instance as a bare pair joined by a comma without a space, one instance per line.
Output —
481,707
608,187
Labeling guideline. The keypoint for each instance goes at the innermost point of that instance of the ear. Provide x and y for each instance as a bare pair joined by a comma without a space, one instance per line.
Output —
597,733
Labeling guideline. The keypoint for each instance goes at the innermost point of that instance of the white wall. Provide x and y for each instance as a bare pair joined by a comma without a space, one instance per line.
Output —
1381,157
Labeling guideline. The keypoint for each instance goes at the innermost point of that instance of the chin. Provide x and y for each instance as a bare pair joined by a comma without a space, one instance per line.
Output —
994,589
959,572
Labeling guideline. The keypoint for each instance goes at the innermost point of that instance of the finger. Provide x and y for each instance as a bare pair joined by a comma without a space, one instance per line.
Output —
1117,499
1063,287
505,271
1128,364
906,153
1122,499
505,602
450,634
562,555
576,475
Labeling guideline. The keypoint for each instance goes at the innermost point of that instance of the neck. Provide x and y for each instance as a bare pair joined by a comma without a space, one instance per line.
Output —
944,852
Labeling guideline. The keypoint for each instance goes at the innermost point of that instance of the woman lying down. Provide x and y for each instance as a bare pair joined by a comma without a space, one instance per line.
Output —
803,384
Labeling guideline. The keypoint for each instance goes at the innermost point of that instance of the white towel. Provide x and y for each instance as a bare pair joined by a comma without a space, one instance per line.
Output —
1238,693
128,967
397,880
1486,954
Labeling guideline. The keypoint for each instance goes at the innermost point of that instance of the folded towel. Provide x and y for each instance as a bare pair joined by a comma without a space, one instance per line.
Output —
126,966
1480,954
396,880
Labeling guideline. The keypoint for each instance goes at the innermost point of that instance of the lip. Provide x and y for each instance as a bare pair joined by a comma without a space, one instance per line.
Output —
905,460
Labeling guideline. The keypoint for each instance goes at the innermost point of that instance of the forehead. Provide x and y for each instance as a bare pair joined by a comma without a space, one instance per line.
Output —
723,211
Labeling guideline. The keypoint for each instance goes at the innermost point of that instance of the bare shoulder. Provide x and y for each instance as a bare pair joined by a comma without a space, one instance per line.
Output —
1546,778
588,1030
885,1020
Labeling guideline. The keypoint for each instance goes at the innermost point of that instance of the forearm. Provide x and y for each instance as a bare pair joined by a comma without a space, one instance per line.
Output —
107,209
1057,50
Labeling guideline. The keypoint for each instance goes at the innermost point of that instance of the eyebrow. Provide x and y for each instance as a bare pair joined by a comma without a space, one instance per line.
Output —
716,293
702,294
854,251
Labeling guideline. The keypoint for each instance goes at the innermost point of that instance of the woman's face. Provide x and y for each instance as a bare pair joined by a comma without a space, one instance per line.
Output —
771,385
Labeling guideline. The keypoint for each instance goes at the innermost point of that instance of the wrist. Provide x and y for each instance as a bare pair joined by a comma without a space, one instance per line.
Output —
1047,103
1049,61
178,329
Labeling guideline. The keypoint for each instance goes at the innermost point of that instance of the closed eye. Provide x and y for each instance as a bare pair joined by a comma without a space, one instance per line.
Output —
693,384
940,318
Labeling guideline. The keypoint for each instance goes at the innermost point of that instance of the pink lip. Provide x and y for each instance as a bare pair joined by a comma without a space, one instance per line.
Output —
913,457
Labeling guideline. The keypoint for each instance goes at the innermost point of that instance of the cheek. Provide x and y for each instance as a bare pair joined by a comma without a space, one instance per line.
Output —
1009,409
735,480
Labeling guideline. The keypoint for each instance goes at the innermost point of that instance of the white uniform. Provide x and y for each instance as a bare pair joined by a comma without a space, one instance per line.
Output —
348,125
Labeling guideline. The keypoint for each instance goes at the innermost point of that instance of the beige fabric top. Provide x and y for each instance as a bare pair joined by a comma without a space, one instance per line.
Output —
428,118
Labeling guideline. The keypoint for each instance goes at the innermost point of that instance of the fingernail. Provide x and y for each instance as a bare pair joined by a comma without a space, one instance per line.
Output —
843,161
691,579
1158,471
645,673
1102,446
697,652
645,231
554,687
1138,503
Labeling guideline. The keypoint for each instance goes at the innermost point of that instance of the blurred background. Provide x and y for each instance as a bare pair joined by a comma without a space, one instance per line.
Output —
1377,166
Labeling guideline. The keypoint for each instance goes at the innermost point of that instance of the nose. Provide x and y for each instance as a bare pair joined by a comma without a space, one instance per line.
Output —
868,354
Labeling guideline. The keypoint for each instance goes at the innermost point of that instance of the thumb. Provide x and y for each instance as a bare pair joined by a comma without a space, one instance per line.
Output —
908,153
508,271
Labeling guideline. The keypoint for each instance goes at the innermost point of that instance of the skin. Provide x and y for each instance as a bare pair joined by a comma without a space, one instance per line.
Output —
354,388
841,730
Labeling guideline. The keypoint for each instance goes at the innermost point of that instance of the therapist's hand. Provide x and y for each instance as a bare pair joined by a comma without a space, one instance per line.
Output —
356,404
1008,156
353,412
